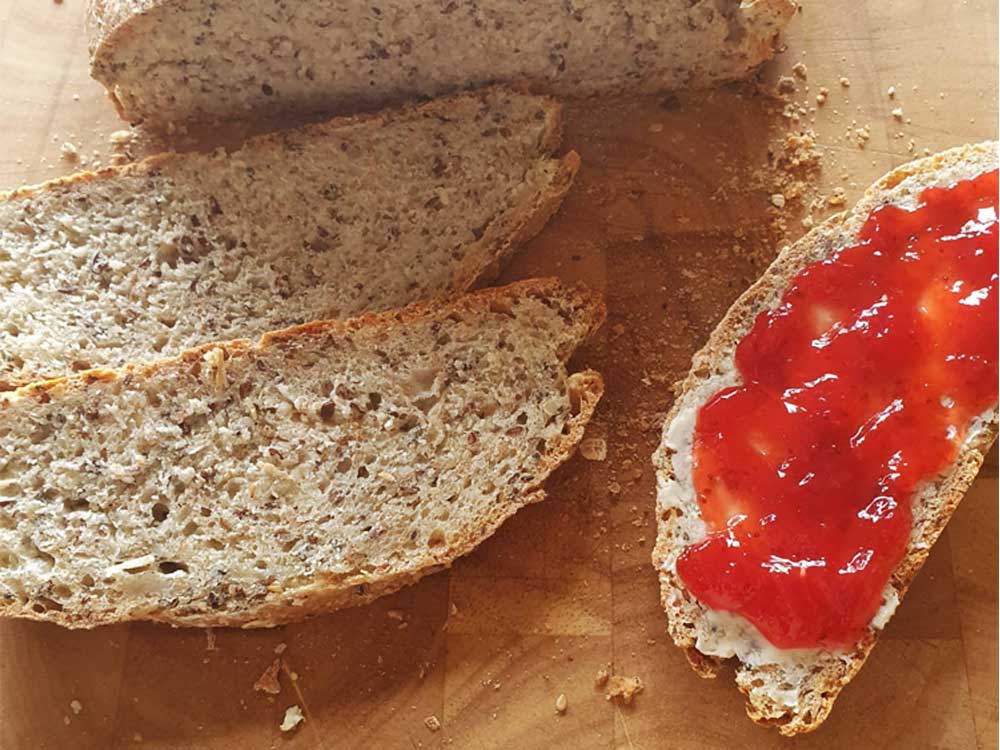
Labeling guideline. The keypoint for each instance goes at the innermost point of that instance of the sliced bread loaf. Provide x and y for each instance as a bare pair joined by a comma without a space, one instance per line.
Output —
327,221
168,60
795,689
255,483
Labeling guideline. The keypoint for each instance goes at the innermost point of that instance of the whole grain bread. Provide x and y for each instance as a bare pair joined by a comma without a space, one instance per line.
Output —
795,689
327,221
170,60
256,483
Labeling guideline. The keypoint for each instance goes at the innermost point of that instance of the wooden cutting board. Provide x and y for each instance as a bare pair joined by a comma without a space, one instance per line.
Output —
672,217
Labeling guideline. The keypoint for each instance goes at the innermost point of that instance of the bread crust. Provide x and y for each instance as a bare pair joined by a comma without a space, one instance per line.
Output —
827,673
326,592
475,269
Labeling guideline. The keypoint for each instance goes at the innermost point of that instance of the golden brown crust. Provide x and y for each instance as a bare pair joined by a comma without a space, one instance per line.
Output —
326,593
830,672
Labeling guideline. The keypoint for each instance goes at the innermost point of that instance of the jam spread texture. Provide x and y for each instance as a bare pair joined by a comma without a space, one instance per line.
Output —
858,389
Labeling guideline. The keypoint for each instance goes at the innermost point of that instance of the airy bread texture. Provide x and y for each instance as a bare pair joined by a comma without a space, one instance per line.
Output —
327,221
795,689
253,484
169,60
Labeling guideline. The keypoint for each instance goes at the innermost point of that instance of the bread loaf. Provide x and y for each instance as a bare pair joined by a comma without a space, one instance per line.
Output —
169,60
256,483
327,221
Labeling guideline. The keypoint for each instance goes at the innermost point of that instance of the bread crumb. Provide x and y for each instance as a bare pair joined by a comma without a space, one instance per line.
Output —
801,70
845,82
601,678
561,703
656,127
293,717
799,152
69,152
898,113
280,648
76,706
837,198
268,681
210,640
807,222
594,449
121,138
778,200
432,723
395,614
66,720
786,85
861,135
892,92
623,689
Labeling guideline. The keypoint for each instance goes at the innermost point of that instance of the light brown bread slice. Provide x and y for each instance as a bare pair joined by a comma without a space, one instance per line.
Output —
327,221
795,690
168,60
256,483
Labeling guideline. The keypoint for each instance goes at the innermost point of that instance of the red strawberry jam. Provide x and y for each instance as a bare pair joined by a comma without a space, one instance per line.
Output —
859,387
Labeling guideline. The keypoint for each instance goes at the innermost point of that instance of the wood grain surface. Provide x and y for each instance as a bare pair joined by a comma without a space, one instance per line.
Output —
672,216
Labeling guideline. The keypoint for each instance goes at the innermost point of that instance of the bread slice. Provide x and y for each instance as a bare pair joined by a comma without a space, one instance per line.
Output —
253,484
795,689
171,60
328,221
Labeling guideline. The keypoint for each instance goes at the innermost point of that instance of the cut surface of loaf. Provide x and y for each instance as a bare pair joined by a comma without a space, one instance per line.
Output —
167,60
258,483
795,689
327,221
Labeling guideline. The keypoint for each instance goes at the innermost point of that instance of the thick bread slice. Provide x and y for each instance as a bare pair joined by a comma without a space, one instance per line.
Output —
169,60
795,690
259,483
327,221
